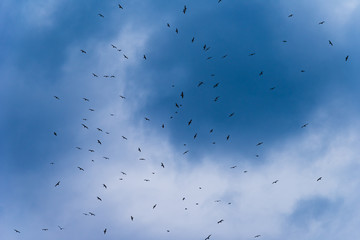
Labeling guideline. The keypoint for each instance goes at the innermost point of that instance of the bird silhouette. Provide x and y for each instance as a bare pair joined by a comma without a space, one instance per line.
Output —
120,6
57,184
220,221
105,231
331,44
101,15
322,22
184,10
16,230
83,51
319,179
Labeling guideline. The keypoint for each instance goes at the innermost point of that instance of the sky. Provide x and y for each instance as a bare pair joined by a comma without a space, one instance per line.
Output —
275,156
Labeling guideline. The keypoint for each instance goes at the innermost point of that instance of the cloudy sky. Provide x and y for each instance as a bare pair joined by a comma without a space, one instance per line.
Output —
276,155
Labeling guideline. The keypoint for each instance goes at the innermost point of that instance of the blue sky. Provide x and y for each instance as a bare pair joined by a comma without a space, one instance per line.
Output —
41,58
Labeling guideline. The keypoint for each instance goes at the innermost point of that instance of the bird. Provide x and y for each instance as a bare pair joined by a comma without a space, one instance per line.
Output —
99,141
123,173
184,10
113,46
44,229
208,237
217,84
259,143
95,75
322,22
168,24
144,57
290,15
190,122
220,221
182,94
163,126
252,54
147,119
186,152
231,114
139,149
346,58
257,236
92,214
56,97
104,185
99,129
193,39
132,218
99,198
124,137
91,150
105,231
154,206
83,51
163,166
81,169
209,58
147,180
78,148
216,98
176,30
319,179
122,97
211,130
331,43
200,83
305,125
233,166
57,184
106,158
55,133
125,56
228,136
224,56
84,126
101,15
91,109
273,88
61,228
120,6
85,99
195,135
261,73
275,181
16,230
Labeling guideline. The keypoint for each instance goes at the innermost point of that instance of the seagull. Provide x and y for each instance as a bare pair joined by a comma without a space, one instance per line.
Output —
57,184
92,214
261,73
224,56
200,83
106,158
233,166
83,51
147,180
147,119
122,97
91,150
99,129
182,94
85,99
55,133
184,10
193,39
211,130
195,135
92,110
144,57
125,56
176,30
124,173
290,15
217,84
124,137
44,229
186,152
78,148
168,24
228,136
132,218
113,46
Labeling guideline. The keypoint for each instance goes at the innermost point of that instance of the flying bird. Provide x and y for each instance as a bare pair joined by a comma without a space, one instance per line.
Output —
122,97
193,39
85,99
163,166
189,122
125,56
57,97
233,166
44,229
132,218
273,88
154,206
144,57
81,169
220,221
168,24
95,75
55,133
176,30
104,185
195,135
16,230
200,83
290,15
91,109
275,181
92,214
331,43
231,114
61,228
120,6
99,141
322,22
228,136
147,119
259,143
346,58
257,236
84,126
101,15
105,231
83,51
319,179
186,152
124,137
91,150
305,125
184,10
208,237
57,184
217,84
216,98
99,198
182,94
